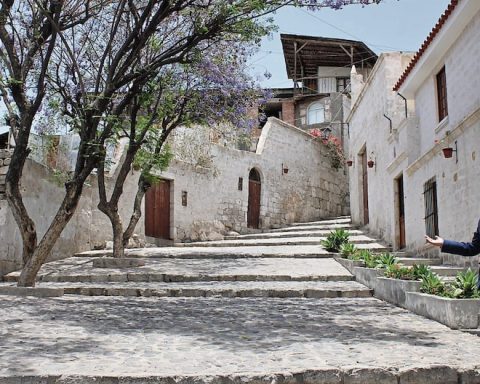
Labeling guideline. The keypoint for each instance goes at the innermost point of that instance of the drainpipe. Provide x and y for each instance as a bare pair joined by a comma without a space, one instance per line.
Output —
405,101
390,120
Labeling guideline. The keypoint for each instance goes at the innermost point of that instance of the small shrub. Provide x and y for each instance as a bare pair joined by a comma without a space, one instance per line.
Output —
385,260
347,249
335,240
432,284
368,258
396,271
464,286
420,271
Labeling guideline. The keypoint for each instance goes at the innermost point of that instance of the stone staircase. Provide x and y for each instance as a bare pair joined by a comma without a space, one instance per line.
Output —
267,307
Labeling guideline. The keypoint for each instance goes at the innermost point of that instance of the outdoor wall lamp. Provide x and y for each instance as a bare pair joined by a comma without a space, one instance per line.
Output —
448,152
371,162
326,133
349,162
284,169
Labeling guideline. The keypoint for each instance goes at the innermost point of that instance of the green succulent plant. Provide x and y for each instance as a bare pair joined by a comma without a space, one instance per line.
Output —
385,260
465,285
432,284
347,249
335,240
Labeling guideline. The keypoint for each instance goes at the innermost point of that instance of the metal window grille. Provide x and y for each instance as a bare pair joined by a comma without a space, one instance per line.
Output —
431,208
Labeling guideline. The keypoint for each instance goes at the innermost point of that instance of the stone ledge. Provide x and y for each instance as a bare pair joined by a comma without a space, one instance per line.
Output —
110,262
27,291
327,375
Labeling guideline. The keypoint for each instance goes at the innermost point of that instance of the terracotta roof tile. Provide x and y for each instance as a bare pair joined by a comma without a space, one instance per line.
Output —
426,43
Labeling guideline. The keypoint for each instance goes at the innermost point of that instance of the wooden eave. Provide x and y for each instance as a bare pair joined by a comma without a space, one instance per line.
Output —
313,52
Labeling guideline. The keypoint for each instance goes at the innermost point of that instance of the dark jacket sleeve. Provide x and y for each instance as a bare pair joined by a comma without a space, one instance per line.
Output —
464,249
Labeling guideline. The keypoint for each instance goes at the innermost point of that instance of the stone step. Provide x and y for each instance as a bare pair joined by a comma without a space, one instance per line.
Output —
418,261
288,234
357,239
447,270
325,227
350,289
286,251
177,278
333,221
190,270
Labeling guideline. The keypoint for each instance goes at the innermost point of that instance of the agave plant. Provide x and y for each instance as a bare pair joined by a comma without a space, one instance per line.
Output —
465,285
432,284
420,271
368,258
335,240
347,249
396,271
385,260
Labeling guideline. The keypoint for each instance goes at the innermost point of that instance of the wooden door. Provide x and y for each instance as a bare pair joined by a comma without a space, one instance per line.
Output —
401,213
254,192
366,219
157,210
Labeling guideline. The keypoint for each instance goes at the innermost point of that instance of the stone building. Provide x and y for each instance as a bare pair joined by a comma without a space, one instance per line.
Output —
412,188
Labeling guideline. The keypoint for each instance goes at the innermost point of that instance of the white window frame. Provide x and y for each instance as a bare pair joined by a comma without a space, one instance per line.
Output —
319,110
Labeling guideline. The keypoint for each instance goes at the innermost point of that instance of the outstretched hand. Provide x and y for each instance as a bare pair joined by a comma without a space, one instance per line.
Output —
438,241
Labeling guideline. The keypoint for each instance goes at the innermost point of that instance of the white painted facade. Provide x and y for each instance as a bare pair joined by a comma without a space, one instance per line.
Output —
418,157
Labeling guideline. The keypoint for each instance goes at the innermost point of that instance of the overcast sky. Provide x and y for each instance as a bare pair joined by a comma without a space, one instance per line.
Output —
394,25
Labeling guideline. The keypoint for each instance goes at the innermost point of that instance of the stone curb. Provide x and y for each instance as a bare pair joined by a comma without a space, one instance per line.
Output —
172,278
111,262
27,291
420,375
198,292
205,255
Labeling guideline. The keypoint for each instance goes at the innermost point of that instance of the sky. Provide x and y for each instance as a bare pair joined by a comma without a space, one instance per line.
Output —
393,25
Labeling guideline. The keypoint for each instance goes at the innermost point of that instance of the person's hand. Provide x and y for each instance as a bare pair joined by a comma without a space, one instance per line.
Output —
438,241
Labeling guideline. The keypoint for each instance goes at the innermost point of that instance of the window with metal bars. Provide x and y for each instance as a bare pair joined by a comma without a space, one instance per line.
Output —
442,94
431,208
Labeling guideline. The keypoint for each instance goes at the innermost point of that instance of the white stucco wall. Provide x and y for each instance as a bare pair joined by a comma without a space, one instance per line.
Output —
370,130
310,190
417,157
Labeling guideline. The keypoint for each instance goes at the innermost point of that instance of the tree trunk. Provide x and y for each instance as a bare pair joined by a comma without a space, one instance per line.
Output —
118,246
44,248
143,187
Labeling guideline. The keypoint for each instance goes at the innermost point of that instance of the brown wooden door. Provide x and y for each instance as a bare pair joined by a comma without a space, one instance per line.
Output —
254,191
401,213
157,210
253,214
366,219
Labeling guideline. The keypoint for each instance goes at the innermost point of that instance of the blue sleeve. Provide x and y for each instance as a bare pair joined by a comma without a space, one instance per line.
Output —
464,249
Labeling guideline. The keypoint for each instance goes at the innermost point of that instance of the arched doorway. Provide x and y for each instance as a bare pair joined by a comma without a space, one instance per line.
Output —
254,190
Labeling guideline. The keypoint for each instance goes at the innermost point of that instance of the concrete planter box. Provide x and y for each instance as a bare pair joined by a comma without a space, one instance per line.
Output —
455,313
367,276
393,290
349,264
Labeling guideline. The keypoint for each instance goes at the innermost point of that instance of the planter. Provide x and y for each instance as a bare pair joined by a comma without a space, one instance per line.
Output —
370,163
447,152
349,264
367,276
455,313
393,290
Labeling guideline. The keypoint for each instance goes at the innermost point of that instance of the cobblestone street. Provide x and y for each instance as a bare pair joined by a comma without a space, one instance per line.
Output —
217,337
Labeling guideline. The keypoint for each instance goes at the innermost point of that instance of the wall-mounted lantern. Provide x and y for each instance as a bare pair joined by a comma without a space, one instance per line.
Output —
371,161
284,169
349,163
326,133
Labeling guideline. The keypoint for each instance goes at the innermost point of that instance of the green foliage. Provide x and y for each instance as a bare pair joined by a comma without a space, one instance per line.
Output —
335,240
464,286
347,249
420,271
149,162
385,260
432,284
396,271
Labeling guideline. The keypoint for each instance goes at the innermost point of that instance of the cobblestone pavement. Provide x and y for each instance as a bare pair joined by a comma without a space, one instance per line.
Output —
144,336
